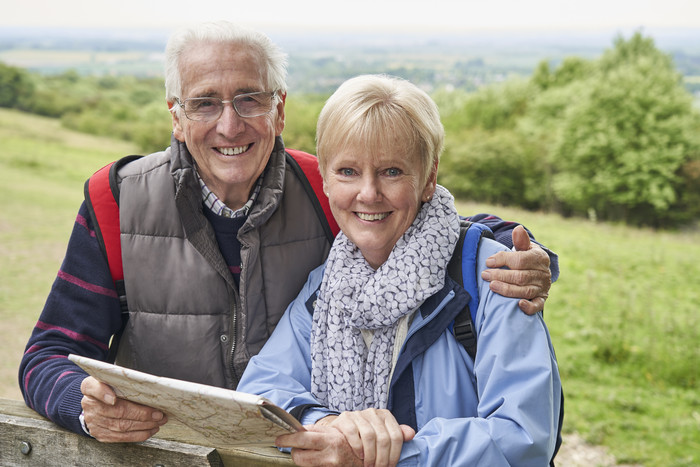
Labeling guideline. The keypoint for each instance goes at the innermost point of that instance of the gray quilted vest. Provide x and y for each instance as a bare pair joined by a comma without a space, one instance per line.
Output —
187,318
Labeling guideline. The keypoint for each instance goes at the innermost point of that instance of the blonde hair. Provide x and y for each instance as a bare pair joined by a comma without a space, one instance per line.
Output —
377,112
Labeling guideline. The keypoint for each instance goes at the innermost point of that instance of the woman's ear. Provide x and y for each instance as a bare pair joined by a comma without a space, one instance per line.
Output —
430,183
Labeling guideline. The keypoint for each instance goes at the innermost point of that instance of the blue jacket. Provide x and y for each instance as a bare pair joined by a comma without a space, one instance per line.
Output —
502,409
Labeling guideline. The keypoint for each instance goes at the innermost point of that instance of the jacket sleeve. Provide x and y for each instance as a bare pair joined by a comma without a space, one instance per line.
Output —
518,388
80,315
281,372
503,232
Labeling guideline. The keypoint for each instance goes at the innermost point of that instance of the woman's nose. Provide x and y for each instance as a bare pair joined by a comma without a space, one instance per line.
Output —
369,191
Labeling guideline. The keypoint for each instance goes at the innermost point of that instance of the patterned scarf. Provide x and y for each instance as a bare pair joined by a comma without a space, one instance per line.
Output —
345,374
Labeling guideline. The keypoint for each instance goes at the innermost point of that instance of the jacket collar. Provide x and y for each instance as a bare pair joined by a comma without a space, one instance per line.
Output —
272,188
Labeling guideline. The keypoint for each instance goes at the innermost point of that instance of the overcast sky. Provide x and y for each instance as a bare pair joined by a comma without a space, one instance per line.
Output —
375,15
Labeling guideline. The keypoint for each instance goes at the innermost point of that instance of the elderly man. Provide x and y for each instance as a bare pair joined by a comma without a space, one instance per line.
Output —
218,235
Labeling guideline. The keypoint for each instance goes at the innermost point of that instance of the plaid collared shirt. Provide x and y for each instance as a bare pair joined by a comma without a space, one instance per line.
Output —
218,207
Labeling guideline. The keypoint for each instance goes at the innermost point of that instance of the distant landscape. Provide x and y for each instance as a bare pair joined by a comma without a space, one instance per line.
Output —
600,125
320,61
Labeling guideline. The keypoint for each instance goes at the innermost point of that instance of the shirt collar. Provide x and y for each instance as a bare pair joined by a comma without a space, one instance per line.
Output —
217,206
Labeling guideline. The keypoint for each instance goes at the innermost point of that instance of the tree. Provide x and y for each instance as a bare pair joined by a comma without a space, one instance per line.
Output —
570,70
493,107
625,140
16,86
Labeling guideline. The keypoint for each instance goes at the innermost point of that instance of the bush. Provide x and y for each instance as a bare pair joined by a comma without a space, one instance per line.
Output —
16,87
494,167
612,139
301,112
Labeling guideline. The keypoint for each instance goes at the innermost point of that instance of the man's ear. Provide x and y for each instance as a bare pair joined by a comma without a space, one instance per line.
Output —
279,124
178,132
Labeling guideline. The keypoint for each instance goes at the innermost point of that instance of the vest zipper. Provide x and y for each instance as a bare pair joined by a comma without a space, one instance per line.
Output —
237,305
234,336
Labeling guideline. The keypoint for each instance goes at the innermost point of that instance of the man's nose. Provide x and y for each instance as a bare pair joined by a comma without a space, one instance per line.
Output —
229,123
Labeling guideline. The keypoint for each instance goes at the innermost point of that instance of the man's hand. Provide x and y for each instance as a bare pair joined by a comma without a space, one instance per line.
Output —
368,437
528,276
114,420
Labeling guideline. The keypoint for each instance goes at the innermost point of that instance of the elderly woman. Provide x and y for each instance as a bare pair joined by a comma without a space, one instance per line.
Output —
366,356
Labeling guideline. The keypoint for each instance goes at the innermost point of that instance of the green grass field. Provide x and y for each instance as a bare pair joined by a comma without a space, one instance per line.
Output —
623,317
42,170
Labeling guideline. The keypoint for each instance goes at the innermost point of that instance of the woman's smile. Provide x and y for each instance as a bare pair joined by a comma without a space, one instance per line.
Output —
372,217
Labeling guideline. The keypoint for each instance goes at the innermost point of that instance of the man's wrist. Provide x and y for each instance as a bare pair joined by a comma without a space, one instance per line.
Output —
83,425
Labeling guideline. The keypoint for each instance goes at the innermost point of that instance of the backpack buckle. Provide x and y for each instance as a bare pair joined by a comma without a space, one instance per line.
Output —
464,333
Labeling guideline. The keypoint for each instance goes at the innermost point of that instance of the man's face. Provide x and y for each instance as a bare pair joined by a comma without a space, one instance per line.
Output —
230,152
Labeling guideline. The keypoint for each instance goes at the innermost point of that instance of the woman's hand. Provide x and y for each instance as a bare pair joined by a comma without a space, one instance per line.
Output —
367,437
114,420
319,446
528,276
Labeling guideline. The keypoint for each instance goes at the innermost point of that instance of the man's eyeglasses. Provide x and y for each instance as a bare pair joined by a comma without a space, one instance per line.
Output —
207,109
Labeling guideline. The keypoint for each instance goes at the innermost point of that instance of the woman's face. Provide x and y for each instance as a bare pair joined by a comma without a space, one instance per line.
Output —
375,197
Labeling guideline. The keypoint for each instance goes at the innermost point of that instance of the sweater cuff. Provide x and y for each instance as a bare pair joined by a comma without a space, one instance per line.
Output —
70,408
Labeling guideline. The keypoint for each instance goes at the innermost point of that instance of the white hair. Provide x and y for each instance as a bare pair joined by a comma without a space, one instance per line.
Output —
227,33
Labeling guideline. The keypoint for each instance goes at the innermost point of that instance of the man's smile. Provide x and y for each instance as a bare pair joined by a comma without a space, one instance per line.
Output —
233,151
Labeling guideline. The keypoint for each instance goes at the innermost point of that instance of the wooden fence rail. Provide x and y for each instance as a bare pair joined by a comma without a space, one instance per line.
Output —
27,439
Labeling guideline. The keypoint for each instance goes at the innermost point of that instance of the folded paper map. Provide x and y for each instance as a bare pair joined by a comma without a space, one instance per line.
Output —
221,417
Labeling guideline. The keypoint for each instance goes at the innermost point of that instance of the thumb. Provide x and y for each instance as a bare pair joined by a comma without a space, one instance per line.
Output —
408,432
521,240
93,388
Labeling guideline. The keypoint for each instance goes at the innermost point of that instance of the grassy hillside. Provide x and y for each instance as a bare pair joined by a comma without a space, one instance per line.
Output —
625,325
623,317
42,168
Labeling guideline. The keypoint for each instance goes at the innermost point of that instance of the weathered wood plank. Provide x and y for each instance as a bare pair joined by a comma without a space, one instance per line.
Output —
52,445
25,442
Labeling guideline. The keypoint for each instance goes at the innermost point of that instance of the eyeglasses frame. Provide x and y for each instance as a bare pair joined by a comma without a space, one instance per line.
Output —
273,95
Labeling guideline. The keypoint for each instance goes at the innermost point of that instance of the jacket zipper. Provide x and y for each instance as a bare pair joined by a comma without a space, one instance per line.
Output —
411,332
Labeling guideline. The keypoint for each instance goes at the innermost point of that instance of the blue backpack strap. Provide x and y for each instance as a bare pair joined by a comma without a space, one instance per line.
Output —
462,269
